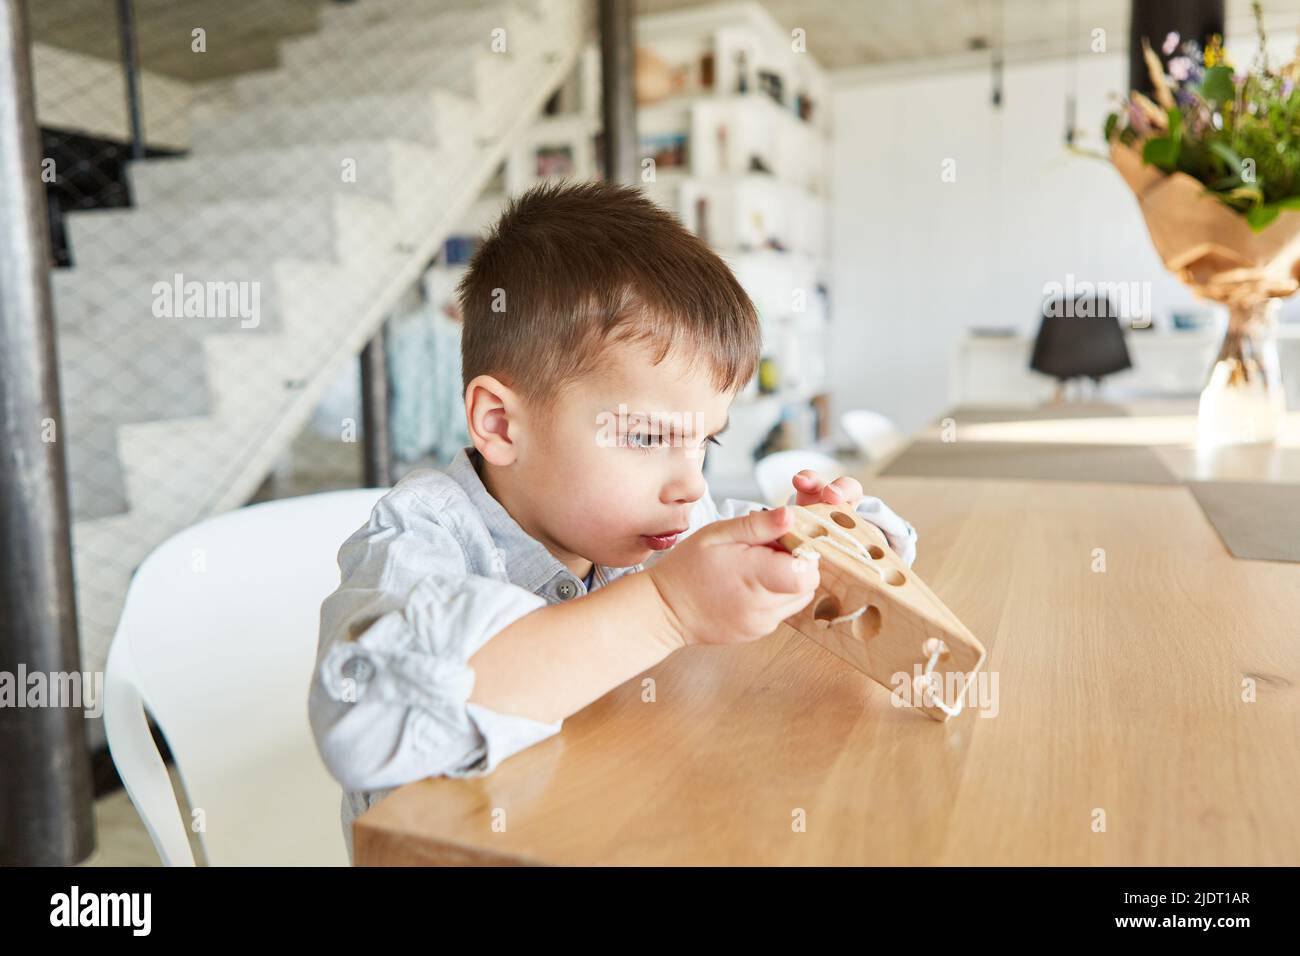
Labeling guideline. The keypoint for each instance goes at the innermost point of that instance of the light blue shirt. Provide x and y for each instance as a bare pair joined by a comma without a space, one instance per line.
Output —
439,569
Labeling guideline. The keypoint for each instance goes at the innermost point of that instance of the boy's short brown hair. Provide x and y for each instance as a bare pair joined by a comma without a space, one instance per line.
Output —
570,267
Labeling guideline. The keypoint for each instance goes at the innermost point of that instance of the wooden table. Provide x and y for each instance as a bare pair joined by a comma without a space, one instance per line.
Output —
1119,691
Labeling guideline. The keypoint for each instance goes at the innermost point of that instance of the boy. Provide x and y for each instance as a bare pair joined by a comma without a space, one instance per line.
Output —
602,347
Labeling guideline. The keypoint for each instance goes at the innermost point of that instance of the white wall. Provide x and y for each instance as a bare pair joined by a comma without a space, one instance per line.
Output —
915,260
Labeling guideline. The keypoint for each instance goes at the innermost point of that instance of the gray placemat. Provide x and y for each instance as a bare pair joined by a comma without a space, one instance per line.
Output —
1133,464
1256,520
989,414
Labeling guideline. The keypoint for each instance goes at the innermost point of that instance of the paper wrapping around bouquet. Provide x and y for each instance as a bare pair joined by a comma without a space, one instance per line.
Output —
1208,245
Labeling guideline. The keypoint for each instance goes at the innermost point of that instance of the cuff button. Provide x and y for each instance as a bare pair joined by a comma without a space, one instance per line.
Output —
357,669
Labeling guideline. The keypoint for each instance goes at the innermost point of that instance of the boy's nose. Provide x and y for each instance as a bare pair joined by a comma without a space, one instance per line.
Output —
686,487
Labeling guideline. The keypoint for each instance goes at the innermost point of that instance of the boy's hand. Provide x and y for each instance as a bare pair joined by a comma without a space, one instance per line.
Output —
730,582
810,489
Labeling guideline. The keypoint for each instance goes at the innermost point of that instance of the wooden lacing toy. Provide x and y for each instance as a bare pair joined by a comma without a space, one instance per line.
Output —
875,613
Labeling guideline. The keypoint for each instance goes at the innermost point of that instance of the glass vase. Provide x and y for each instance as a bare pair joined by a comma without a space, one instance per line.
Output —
1243,402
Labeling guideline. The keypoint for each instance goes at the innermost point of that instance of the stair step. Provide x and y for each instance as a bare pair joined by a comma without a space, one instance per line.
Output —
431,118
138,374
386,38
369,12
453,69
375,169
459,69
108,300
96,487
326,228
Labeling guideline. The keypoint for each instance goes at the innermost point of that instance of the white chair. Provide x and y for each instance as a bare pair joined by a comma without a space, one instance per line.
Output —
874,435
217,641
776,472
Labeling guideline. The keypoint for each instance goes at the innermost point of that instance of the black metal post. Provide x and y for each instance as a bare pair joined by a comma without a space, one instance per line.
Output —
131,70
374,412
46,813
618,90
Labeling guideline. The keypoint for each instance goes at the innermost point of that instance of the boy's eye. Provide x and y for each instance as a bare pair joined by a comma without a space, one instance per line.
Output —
645,441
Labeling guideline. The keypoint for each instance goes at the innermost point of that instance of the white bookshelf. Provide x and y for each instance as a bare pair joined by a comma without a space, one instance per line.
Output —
755,187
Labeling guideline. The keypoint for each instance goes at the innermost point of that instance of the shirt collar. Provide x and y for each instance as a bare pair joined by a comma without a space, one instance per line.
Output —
528,563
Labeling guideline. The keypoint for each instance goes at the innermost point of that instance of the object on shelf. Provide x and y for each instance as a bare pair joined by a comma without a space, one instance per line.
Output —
768,375
757,165
654,80
877,614
803,107
722,147
742,73
1190,321
680,79
772,84
702,218
668,150
458,250
706,70
821,405
554,160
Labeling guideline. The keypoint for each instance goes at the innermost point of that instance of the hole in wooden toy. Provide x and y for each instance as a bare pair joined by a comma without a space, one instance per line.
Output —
843,520
818,532
894,577
934,644
827,609
876,551
867,624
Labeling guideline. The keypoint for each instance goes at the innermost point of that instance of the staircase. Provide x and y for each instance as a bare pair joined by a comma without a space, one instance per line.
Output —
318,190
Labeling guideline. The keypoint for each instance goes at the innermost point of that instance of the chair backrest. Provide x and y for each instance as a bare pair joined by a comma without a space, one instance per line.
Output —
1080,337
874,435
775,472
217,641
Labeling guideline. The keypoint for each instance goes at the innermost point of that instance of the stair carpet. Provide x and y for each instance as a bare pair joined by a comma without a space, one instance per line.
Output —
172,417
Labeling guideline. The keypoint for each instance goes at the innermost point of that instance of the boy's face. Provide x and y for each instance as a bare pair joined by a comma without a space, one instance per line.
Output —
611,473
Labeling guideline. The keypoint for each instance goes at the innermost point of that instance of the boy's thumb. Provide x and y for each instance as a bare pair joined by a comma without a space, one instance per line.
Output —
757,527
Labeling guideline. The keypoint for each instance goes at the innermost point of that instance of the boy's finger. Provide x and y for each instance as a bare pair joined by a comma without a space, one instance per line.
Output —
781,572
757,527
849,489
808,487
808,482
794,605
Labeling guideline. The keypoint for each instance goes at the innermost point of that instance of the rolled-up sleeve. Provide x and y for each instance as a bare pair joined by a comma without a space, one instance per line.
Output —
389,697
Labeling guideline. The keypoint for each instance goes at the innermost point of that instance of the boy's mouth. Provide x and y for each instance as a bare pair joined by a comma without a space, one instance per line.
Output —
662,541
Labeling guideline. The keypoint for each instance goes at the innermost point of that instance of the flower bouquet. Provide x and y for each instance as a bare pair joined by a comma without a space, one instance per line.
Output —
1214,161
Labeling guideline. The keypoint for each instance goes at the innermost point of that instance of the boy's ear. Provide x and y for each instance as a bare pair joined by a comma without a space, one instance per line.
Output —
491,413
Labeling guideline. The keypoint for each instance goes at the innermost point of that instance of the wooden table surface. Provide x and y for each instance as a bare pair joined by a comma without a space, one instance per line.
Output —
1119,704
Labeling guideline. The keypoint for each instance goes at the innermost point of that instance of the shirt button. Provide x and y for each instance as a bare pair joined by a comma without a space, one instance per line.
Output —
357,669
566,590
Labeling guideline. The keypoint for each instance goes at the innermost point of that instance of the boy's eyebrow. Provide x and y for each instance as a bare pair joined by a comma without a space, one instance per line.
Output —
658,420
